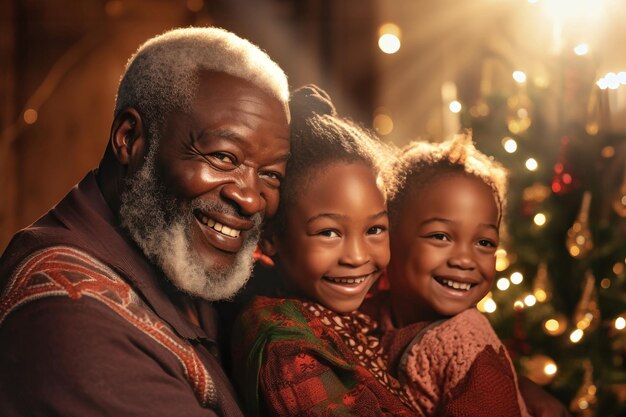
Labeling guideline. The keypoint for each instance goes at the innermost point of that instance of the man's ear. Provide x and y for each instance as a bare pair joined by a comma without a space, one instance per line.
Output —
128,140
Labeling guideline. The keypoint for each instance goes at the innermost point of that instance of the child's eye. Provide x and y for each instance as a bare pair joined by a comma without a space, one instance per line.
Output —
487,243
376,230
437,236
329,233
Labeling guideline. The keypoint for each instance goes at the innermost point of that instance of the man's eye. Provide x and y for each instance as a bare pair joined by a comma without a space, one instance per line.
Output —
272,178
272,175
224,157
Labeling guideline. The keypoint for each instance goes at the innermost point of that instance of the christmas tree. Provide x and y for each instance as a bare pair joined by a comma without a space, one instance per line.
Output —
559,302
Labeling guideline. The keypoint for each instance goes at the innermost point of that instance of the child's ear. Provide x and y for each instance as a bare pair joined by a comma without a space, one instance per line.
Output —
267,245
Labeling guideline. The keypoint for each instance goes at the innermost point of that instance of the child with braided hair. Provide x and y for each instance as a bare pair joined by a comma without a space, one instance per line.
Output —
305,349
445,208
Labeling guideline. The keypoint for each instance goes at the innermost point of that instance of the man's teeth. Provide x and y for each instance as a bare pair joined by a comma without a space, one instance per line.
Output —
347,280
220,227
456,285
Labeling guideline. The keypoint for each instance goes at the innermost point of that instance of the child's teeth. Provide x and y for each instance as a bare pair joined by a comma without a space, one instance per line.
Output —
457,285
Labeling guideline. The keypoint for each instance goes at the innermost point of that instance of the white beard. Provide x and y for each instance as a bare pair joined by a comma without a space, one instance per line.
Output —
161,226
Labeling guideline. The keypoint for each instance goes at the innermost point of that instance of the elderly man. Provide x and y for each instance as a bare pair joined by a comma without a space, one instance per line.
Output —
101,303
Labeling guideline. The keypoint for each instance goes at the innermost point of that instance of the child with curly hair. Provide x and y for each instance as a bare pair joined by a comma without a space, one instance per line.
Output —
445,208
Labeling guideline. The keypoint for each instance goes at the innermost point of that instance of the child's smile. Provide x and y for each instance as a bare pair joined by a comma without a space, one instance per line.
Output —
336,243
443,251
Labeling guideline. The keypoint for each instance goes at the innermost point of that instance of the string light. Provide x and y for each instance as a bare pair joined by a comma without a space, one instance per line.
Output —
620,323
581,49
487,305
455,106
503,284
509,144
531,164
382,122
540,219
517,278
389,38
555,326
576,335
30,116
550,369
530,300
519,77
502,260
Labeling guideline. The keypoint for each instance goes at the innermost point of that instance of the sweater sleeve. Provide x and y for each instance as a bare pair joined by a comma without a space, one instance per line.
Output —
460,368
63,357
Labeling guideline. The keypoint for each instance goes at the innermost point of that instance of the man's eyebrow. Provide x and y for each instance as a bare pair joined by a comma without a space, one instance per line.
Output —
220,133
235,137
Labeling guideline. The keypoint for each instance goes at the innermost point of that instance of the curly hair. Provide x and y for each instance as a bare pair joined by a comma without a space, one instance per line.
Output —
420,163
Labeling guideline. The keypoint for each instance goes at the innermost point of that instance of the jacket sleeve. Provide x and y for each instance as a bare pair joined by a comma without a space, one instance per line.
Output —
62,357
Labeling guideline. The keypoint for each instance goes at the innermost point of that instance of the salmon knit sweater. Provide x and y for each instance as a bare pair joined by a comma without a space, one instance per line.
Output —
459,368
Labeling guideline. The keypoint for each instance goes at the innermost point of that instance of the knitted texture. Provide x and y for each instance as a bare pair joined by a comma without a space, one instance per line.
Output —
459,367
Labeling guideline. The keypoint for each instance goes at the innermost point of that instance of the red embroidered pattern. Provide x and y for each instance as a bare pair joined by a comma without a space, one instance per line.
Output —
64,271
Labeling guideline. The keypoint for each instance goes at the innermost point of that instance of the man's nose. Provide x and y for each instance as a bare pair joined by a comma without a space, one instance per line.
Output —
245,193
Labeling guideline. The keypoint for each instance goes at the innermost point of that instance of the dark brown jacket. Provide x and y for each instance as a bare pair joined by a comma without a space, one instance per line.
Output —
88,327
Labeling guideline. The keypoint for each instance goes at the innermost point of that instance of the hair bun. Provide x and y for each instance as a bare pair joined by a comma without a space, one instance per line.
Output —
310,99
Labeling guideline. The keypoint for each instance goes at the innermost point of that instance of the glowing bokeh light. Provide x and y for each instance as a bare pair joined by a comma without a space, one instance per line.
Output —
388,43
490,306
530,300
541,295
532,164
540,219
550,369
519,76
576,335
30,116
509,144
455,106
581,49
620,323
517,278
383,124
503,284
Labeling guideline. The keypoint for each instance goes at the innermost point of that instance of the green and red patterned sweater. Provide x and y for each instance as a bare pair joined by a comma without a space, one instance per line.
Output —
292,357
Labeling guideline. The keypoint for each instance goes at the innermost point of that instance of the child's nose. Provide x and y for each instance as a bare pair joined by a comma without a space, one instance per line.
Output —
354,253
462,258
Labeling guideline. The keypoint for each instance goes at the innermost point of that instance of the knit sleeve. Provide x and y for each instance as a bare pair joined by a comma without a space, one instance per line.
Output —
460,368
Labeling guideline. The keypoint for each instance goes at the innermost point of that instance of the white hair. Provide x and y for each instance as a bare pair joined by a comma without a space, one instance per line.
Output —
163,74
